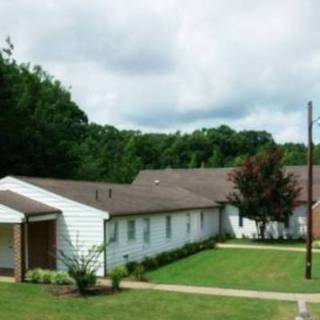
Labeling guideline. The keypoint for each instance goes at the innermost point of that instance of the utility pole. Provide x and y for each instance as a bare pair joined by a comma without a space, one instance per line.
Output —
310,196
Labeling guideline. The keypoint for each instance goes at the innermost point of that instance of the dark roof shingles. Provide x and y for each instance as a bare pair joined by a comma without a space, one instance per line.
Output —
24,205
213,183
125,199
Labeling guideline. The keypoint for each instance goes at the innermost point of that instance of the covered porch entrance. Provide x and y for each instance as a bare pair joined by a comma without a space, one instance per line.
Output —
27,235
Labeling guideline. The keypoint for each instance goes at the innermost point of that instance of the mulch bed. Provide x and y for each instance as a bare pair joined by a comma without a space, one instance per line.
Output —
71,291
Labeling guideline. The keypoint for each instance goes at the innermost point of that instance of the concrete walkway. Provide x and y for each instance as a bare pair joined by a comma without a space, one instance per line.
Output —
262,247
6,279
281,296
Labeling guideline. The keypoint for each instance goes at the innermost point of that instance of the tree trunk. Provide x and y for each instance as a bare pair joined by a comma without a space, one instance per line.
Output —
262,229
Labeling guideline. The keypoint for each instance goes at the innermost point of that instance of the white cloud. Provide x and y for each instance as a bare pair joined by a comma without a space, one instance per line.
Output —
180,64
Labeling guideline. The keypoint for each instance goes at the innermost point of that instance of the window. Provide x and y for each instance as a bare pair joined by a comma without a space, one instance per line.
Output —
168,227
188,222
131,230
146,230
240,220
201,220
114,231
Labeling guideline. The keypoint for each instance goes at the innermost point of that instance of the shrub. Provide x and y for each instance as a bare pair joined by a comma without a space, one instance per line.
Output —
39,275
83,279
209,244
131,266
151,263
46,276
164,258
138,272
83,265
116,275
61,278
34,275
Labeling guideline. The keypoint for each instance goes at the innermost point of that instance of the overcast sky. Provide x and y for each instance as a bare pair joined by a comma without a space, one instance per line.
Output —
177,65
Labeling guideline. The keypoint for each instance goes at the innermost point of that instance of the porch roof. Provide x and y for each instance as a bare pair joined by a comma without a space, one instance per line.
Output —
24,204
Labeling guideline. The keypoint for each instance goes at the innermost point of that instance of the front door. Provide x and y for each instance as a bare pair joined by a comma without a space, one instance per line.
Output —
41,244
6,246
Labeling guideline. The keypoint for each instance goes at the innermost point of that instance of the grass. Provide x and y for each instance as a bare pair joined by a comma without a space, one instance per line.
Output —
273,242
33,302
267,270
314,310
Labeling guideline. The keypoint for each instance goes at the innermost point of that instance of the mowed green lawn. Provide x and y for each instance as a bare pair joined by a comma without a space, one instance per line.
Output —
268,242
268,270
33,302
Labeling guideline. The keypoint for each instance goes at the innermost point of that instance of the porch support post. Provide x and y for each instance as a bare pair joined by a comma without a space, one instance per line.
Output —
19,252
52,240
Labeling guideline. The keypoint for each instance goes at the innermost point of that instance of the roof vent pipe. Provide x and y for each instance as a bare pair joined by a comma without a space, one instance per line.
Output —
156,182
110,193
97,194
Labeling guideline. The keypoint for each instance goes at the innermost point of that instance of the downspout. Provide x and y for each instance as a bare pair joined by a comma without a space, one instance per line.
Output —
105,244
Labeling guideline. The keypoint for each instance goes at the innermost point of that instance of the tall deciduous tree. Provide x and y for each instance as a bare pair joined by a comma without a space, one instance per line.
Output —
263,191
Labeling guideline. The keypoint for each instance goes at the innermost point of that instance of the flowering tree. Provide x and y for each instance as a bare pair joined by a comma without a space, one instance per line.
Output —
263,190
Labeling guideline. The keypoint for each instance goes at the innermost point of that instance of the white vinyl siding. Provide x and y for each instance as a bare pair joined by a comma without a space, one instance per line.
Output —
78,225
241,227
8,215
124,251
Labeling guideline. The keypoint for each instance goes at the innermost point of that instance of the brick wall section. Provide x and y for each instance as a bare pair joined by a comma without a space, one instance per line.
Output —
316,222
18,249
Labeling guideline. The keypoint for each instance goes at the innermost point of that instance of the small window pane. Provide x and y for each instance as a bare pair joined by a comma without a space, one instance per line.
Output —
168,227
114,232
146,230
131,230
188,223
201,221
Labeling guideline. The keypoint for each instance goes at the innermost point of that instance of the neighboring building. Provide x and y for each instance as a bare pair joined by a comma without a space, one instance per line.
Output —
39,215
161,210
213,184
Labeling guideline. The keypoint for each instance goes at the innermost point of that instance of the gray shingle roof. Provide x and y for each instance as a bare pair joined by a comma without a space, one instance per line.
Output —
213,184
24,205
125,199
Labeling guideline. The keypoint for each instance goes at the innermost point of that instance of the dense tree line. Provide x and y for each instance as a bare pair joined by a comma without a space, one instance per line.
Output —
44,133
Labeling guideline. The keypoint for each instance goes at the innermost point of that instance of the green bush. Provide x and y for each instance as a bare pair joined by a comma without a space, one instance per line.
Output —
34,275
82,265
61,278
83,279
138,272
164,258
131,266
151,263
116,275
44,276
